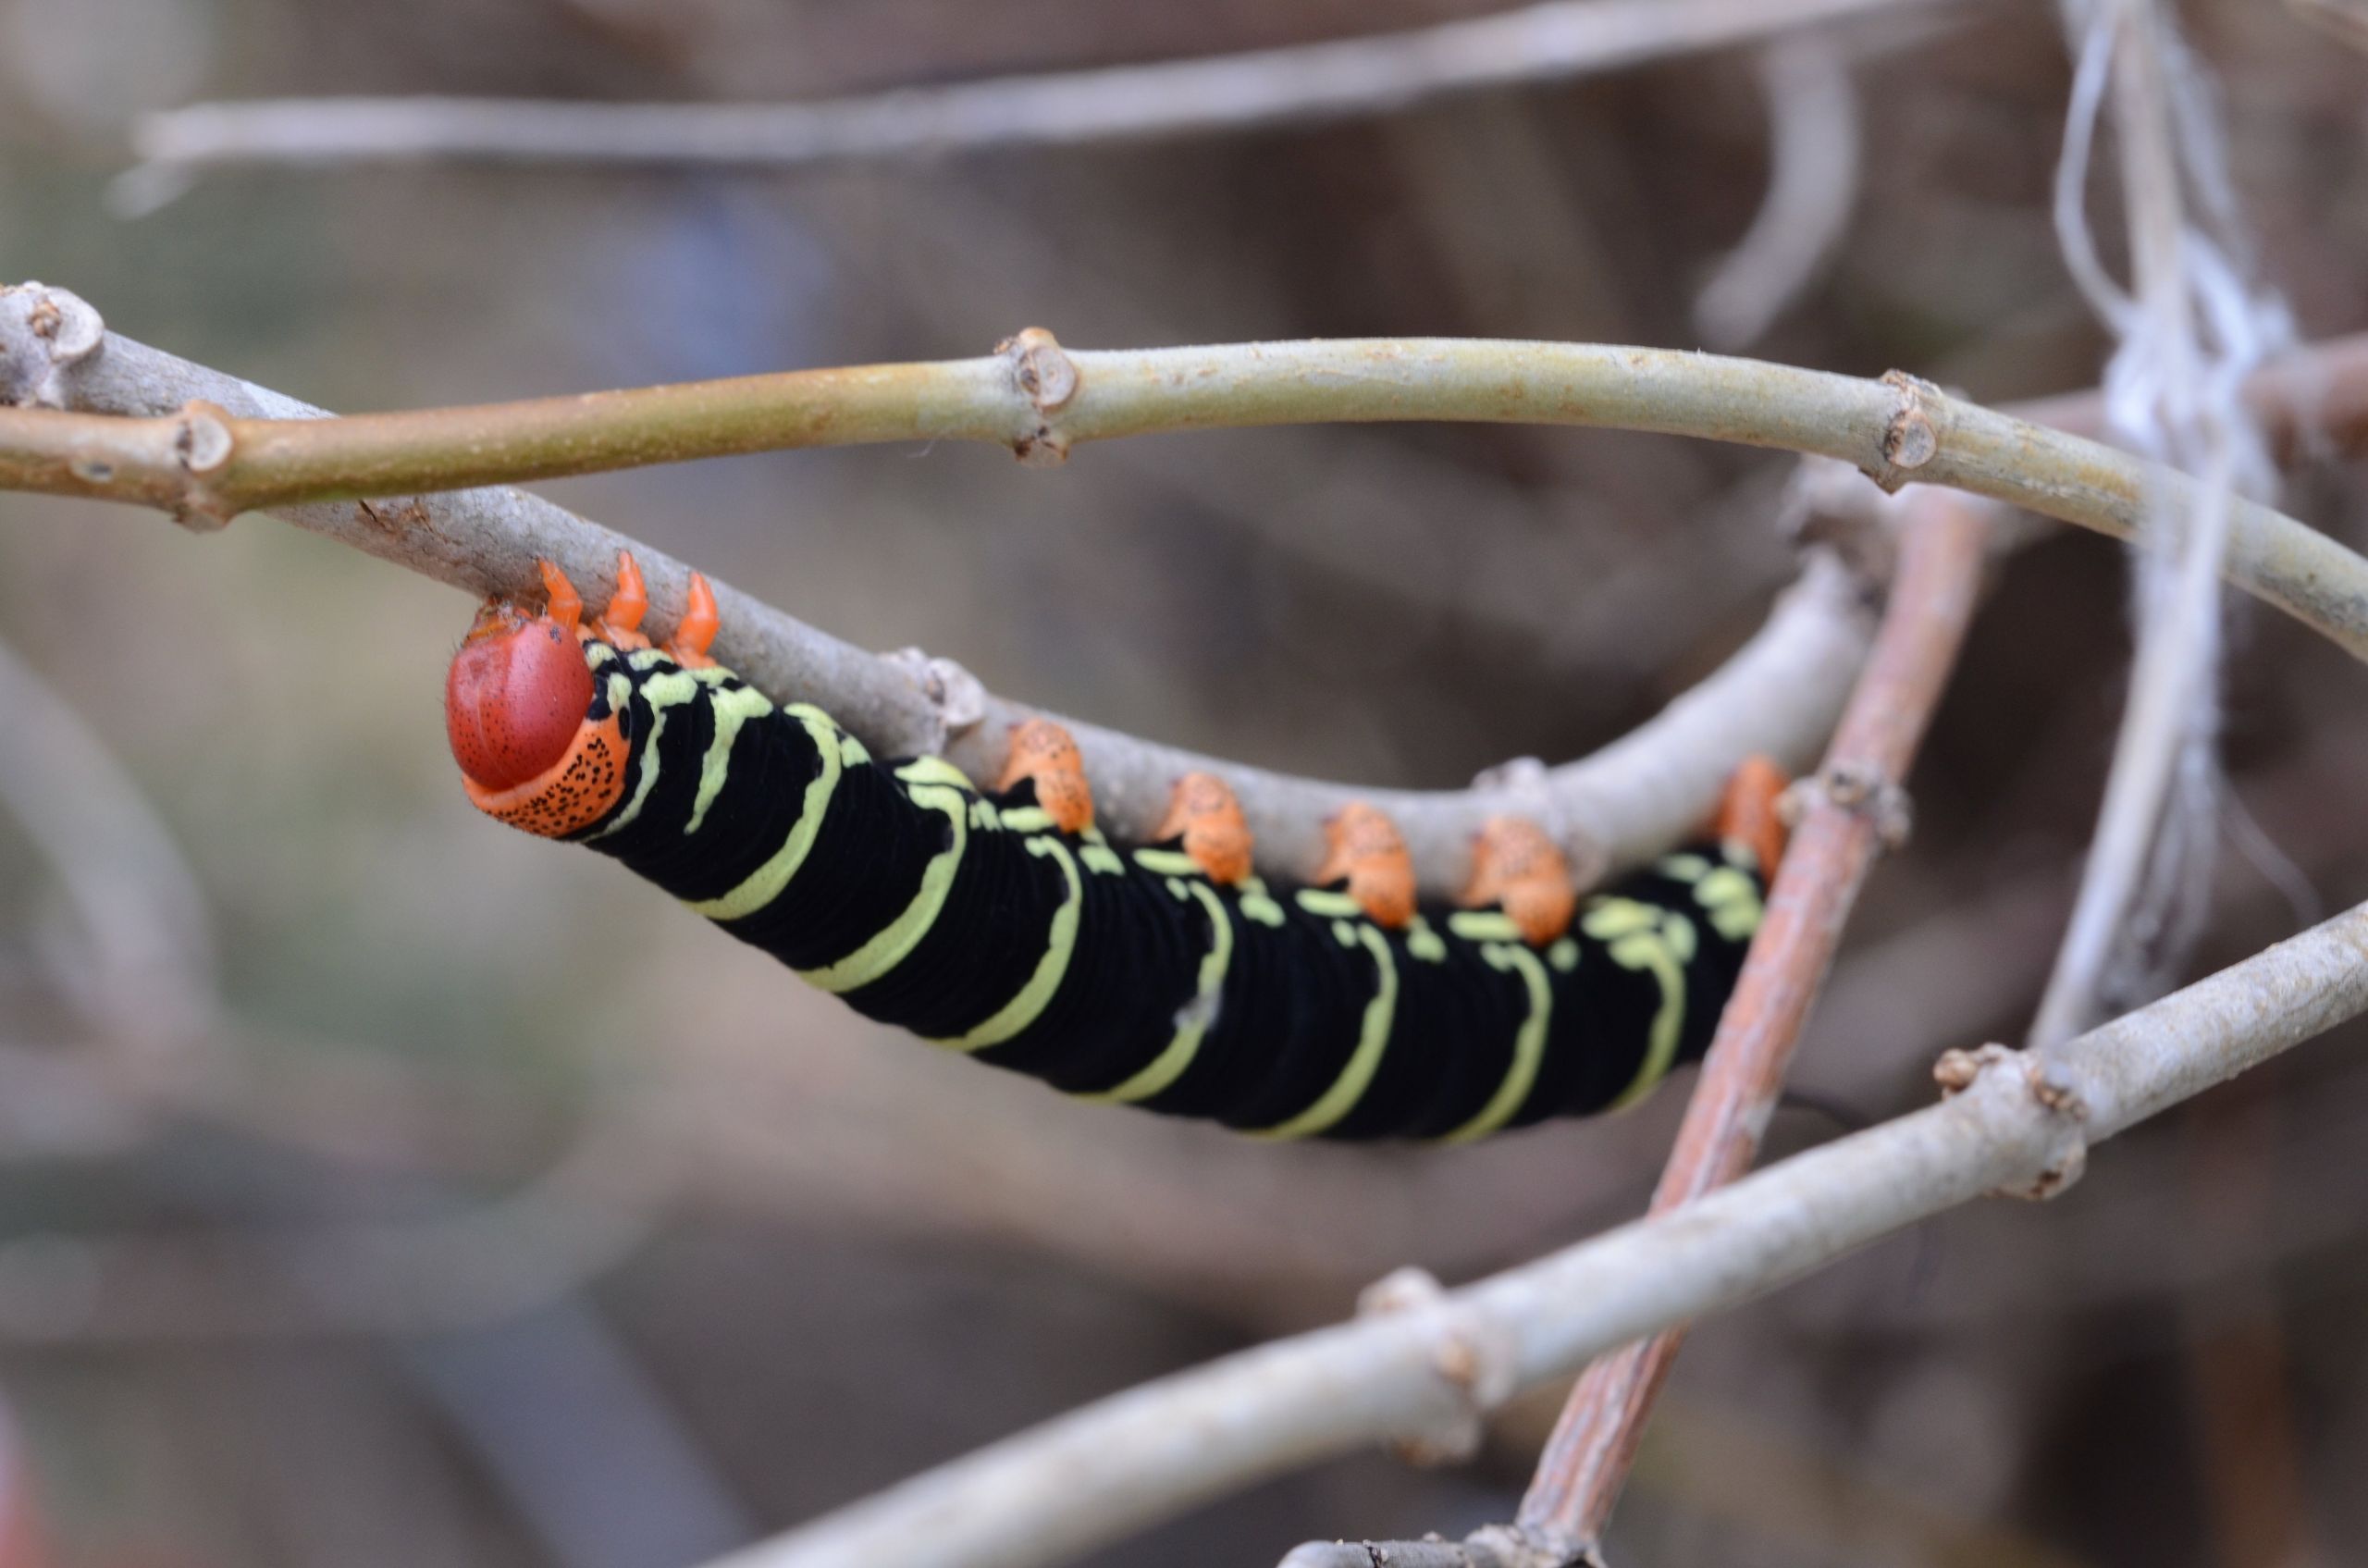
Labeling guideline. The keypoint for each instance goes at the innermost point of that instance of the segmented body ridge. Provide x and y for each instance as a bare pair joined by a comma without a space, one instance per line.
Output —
1128,973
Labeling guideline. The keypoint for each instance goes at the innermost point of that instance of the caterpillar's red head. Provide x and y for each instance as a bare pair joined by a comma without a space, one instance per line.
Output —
515,706
515,696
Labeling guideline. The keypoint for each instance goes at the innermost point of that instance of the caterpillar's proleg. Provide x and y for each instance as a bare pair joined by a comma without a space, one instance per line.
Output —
1752,812
1045,757
1364,850
1206,821
1517,866
1002,924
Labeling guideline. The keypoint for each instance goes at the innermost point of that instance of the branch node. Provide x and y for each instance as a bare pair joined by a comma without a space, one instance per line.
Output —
1514,775
1491,1546
1472,1357
1048,378
202,444
1857,789
1910,439
1958,1071
1511,1546
957,699
202,440
44,333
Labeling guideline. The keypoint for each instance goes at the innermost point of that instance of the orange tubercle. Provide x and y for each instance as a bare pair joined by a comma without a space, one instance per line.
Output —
620,624
1749,814
1365,848
695,632
565,604
1203,814
1043,751
1517,866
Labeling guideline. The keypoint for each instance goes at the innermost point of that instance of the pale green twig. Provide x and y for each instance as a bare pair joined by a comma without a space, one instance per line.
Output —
1776,695
1043,401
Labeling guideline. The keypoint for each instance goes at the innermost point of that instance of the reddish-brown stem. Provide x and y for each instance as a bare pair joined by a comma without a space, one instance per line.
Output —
1851,806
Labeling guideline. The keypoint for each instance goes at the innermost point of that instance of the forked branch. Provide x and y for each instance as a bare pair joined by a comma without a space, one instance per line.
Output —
2013,1122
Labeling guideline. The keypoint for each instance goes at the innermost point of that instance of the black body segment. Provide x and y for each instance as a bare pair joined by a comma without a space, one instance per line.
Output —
1126,974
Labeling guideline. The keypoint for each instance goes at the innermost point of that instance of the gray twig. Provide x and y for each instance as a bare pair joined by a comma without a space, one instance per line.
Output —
2014,1121
1301,83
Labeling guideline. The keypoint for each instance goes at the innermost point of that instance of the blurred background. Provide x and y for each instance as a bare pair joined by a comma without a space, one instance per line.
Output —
382,1187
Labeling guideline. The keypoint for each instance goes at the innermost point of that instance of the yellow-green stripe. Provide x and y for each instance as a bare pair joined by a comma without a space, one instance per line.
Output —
1373,1039
1059,946
894,942
1529,1045
765,883
731,710
1193,1022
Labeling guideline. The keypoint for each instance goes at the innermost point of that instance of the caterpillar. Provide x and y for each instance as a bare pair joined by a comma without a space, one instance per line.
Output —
1002,924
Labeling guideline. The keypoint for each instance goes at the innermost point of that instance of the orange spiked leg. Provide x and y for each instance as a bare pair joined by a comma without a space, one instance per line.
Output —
1749,812
620,624
1517,866
1044,752
1203,812
1365,848
695,632
515,710
565,605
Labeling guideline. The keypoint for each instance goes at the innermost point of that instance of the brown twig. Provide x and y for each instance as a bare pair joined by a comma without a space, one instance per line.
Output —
1854,809
2014,1122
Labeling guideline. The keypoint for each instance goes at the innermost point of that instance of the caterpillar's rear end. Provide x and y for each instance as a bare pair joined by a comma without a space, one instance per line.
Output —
1002,924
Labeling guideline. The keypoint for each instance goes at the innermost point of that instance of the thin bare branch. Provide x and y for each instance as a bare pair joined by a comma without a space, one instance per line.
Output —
211,462
2015,1122
1778,694
488,1262
1813,168
1855,807
242,446
140,969
2192,327
1298,84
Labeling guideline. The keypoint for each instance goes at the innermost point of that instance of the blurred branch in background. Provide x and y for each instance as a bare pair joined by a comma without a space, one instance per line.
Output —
2016,1121
1813,155
482,1296
1372,75
142,981
2192,329
138,962
485,1262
